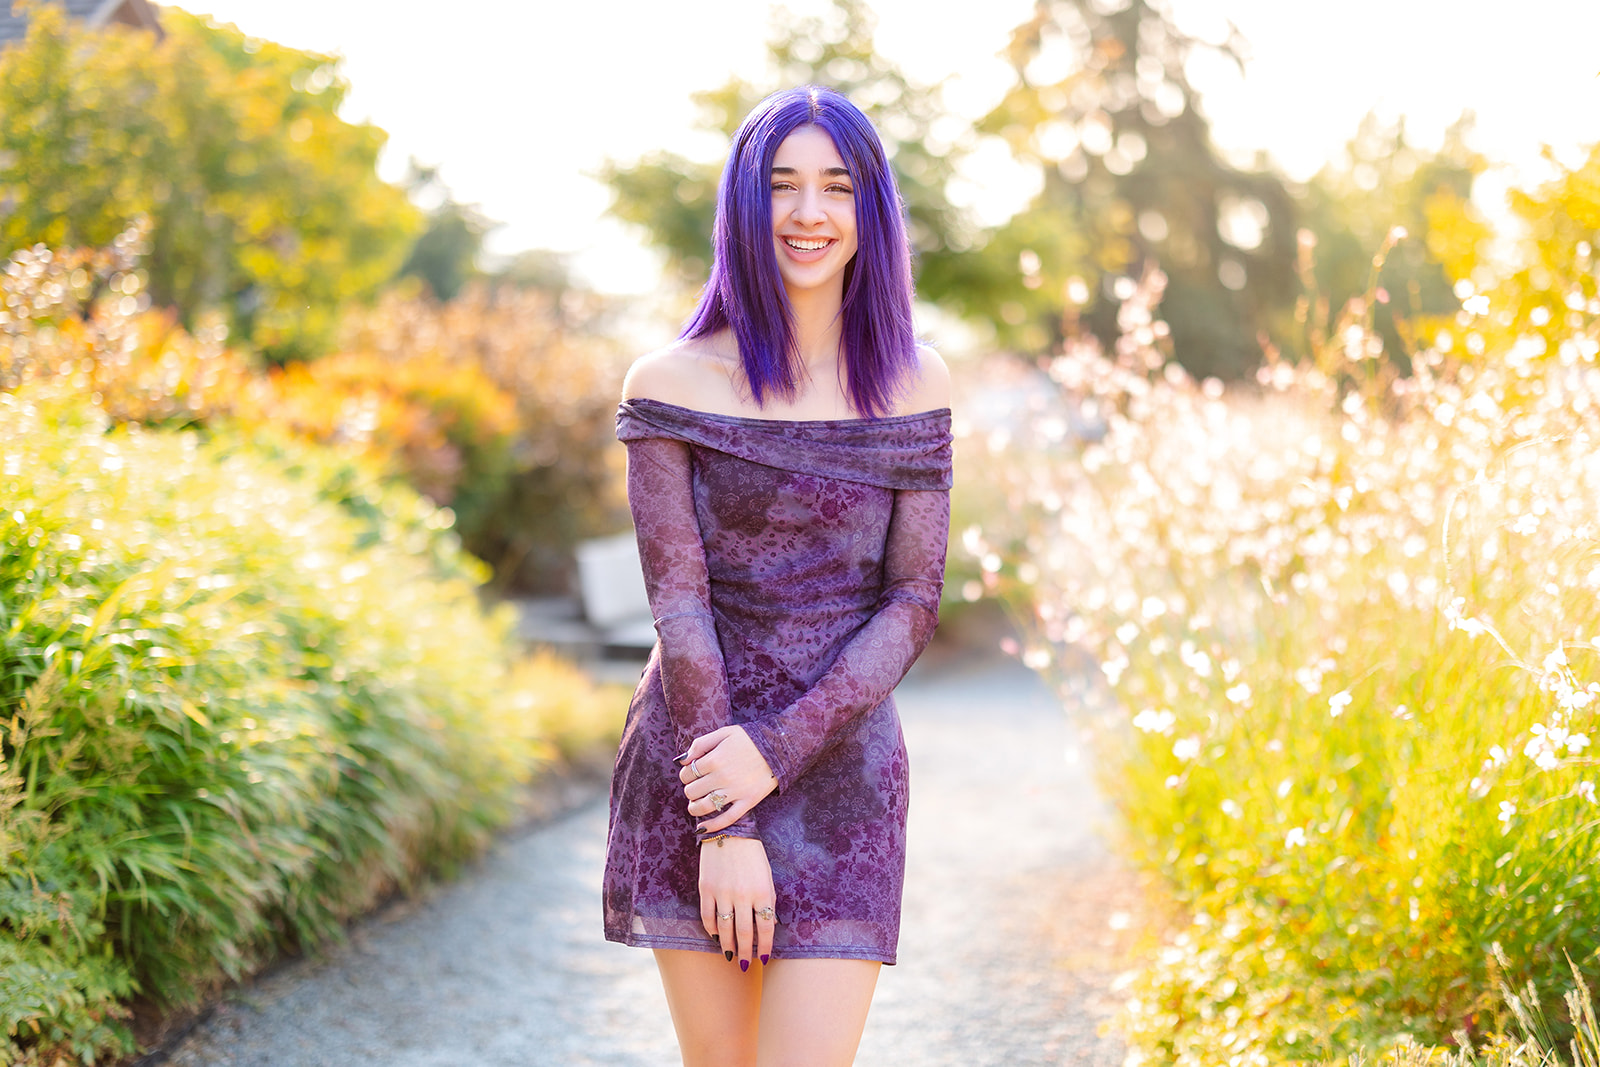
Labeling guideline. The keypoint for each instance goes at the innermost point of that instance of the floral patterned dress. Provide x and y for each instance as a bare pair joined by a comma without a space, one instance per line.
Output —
794,571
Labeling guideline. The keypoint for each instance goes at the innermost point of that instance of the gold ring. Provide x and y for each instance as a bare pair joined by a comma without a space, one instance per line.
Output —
718,800
766,913
723,917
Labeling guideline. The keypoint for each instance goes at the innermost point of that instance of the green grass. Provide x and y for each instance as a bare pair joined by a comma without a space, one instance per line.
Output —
247,690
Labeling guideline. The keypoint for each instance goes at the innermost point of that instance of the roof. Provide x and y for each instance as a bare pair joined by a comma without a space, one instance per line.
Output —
93,13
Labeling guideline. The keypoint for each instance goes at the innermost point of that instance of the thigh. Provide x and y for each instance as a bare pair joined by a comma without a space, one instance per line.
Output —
813,1011
714,1005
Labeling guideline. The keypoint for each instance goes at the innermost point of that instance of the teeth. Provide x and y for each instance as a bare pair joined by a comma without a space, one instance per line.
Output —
805,246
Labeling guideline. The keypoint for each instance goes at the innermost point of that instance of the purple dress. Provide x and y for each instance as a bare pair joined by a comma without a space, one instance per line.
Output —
794,572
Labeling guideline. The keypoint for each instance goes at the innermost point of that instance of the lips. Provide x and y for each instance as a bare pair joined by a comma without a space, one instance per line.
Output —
807,249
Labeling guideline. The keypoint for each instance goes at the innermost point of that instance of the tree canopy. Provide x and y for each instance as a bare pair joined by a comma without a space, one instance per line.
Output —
263,205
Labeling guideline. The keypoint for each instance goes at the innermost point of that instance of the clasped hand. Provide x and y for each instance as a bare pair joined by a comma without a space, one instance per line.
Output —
724,765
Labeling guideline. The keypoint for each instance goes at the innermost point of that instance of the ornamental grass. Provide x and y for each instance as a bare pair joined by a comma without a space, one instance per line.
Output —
1348,632
247,686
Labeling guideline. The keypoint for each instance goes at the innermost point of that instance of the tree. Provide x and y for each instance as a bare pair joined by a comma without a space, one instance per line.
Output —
263,204
1383,186
445,255
674,199
1103,106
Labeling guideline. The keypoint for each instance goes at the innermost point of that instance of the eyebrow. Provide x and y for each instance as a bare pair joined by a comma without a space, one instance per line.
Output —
829,172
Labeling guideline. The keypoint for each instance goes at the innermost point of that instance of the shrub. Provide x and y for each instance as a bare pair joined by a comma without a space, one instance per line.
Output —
1350,627
522,499
246,684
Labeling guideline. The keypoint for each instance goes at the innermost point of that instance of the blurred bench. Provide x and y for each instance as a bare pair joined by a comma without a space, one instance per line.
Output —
610,617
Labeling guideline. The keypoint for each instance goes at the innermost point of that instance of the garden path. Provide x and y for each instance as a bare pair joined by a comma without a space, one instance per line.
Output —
1006,953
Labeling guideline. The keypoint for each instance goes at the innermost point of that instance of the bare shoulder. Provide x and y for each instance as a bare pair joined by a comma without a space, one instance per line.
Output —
682,373
931,389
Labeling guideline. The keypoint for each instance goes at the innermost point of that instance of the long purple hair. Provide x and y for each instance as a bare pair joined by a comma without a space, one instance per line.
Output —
745,291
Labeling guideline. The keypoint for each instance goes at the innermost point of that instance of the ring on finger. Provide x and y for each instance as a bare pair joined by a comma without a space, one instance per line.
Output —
724,916
694,769
719,800
766,913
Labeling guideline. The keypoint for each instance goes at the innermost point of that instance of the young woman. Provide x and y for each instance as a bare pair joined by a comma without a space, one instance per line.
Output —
789,474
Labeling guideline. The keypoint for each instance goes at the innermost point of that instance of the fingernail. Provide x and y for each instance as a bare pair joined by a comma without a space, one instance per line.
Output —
728,953
763,959
744,965
683,757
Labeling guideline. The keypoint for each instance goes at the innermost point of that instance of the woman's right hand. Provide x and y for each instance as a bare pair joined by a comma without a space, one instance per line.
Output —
737,901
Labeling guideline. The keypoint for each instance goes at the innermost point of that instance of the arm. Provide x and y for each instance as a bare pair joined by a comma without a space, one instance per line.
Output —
878,655
693,677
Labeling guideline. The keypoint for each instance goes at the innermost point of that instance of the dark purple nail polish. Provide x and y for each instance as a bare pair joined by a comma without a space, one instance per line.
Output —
763,959
728,953
680,759
744,965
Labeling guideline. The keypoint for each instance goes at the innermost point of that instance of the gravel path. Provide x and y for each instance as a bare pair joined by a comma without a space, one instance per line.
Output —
1006,947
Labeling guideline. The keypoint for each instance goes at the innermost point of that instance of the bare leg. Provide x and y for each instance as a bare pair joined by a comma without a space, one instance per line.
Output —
715,1007
813,1012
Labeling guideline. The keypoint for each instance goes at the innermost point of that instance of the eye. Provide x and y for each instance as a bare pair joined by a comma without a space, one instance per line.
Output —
782,186
837,187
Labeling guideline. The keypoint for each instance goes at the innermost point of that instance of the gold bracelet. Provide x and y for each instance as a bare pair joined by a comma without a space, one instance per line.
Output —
719,839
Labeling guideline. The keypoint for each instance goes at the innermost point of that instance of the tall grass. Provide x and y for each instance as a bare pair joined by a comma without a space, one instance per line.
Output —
246,689
1350,629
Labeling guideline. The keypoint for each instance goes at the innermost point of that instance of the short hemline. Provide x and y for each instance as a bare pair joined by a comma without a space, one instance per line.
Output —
796,952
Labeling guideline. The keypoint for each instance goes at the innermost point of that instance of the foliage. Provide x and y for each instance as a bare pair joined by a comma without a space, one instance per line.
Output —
445,255
499,403
674,199
1349,625
1551,304
246,686
1348,211
263,204
1103,107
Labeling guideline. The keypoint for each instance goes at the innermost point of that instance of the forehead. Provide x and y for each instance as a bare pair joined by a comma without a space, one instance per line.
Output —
807,148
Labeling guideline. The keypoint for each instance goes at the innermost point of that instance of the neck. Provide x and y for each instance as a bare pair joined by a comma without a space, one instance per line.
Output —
818,326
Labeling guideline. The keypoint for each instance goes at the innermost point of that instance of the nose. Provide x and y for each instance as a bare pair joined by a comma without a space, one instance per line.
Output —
810,210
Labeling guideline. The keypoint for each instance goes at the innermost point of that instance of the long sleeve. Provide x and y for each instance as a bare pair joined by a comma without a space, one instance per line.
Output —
878,655
694,679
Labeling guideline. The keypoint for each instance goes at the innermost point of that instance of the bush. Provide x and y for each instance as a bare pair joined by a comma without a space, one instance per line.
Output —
490,360
1350,626
246,685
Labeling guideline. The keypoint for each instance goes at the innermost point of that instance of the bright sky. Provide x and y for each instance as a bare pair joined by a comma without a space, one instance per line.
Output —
520,101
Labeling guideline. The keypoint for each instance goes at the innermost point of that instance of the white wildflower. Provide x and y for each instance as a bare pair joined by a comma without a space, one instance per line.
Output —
1152,721
1239,694
1186,748
1338,702
1586,790
1295,838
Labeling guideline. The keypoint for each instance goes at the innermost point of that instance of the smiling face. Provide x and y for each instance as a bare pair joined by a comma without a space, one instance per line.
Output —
813,212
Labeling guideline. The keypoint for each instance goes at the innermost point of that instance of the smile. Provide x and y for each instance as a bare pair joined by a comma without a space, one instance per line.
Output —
800,244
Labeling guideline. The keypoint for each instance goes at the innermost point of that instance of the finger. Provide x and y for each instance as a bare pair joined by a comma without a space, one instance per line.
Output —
743,932
725,932
766,924
716,820
716,802
695,788
704,743
708,913
695,768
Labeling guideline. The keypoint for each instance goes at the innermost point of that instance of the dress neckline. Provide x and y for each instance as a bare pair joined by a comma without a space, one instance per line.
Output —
746,420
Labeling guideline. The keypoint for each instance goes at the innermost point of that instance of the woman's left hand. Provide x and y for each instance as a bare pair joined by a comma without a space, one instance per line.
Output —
724,765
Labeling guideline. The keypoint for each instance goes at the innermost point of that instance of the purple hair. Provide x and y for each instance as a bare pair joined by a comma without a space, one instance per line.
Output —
745,292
